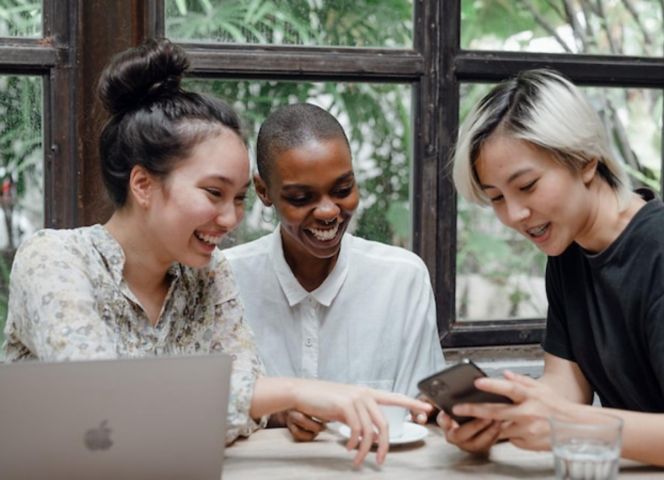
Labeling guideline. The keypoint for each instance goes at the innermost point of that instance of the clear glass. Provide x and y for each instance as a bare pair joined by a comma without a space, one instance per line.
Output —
377,120
20,18
500,274
21,171
611,27
586,448
349,23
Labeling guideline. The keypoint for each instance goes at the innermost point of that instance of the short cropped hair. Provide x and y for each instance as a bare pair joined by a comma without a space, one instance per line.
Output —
290,127
545,109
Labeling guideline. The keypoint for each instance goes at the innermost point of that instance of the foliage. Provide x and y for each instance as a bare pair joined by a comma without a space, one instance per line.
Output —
297,22
20,18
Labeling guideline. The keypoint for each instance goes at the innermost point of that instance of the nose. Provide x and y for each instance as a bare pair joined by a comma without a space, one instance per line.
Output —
229,215
516,212
326,210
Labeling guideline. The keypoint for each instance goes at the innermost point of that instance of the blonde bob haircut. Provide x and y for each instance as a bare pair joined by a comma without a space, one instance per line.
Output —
545,109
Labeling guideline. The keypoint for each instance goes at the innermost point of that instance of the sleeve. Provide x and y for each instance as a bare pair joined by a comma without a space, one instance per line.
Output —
237,341
556,337
422,354
51,313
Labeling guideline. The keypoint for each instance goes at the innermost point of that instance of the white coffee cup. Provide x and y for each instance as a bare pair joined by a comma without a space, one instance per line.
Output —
395,416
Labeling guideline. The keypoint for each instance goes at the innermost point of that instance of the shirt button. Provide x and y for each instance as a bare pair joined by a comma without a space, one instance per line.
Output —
308,342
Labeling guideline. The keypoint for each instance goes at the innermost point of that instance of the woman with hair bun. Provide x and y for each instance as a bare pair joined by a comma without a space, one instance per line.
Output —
536,151
151,280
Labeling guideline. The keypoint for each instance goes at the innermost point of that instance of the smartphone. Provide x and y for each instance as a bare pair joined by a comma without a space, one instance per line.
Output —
455,385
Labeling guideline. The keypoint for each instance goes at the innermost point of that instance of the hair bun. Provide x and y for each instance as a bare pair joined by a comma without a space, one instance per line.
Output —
142,75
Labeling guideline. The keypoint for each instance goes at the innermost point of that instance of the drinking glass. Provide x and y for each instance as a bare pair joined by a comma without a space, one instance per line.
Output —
586,449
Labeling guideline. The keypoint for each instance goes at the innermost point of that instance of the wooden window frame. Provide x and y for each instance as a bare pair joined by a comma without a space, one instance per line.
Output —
78,41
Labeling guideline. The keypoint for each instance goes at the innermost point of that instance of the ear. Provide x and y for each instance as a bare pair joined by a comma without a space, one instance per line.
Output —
589,170
261,190
141,185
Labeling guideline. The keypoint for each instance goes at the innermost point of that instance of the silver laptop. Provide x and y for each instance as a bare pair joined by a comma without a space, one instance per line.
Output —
152,418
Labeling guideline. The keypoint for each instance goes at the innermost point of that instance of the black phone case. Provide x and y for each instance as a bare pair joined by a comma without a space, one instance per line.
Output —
456,385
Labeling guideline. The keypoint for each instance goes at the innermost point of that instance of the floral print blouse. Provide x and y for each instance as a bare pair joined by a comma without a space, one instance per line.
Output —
68,300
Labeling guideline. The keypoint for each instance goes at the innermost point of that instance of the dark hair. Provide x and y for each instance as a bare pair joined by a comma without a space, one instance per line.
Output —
154,122
290,127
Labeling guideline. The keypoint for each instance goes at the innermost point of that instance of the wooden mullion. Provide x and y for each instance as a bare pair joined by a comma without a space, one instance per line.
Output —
61,163
305,63
596,70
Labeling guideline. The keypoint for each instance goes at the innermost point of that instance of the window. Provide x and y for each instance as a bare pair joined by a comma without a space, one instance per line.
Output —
399,74
32,115
499,278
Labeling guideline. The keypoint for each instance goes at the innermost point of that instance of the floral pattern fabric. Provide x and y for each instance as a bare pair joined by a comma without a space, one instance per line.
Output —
69,301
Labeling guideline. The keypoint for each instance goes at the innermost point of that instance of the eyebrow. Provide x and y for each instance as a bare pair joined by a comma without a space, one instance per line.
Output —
511,178
341,178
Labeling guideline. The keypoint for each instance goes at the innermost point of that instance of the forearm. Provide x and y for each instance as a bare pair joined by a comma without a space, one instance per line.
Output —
559,385
566,379
271,395
643,434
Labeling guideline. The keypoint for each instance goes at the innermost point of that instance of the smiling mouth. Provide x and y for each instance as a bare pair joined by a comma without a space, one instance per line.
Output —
214,240
324,235
538,231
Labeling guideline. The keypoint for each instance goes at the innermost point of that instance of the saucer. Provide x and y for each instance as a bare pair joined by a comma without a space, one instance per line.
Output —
412,432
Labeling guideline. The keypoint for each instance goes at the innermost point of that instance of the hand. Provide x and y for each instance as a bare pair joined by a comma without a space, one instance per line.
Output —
303,427
476,436
525,423
420,417
357,407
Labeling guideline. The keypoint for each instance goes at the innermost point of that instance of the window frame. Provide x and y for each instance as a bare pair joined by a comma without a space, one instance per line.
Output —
50,57
77,41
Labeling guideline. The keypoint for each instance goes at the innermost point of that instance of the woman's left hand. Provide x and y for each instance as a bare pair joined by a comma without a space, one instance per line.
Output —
525,423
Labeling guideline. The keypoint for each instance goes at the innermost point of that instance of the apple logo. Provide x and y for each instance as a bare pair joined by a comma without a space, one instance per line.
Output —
99,438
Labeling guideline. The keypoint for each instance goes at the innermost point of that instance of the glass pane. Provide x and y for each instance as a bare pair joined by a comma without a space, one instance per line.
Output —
612,27
377,120
20,18
500,275
21,171
351,23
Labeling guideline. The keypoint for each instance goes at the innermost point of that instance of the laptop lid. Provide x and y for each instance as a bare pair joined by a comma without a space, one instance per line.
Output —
147,418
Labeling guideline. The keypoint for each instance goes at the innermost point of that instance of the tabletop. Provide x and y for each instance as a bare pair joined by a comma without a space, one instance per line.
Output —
272,454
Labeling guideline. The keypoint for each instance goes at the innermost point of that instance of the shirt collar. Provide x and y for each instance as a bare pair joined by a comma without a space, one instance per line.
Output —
295,293
113,255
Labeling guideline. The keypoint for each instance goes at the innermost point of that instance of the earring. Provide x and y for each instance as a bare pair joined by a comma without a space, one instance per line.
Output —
267,215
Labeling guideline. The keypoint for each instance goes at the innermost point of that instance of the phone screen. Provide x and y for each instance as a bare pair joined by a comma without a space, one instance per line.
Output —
455,385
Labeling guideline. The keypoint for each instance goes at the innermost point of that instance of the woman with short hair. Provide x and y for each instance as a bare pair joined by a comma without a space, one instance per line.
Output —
537,153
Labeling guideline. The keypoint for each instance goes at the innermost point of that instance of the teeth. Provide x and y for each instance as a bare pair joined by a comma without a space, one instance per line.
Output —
324,235
211,239
537,231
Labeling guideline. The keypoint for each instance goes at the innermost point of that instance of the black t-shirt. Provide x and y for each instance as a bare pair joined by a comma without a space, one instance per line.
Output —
606,313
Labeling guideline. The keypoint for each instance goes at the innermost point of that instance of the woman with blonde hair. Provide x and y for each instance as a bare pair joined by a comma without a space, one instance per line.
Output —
537,153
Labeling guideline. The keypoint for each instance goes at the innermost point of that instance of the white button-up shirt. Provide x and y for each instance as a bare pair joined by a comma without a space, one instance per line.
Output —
371,322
